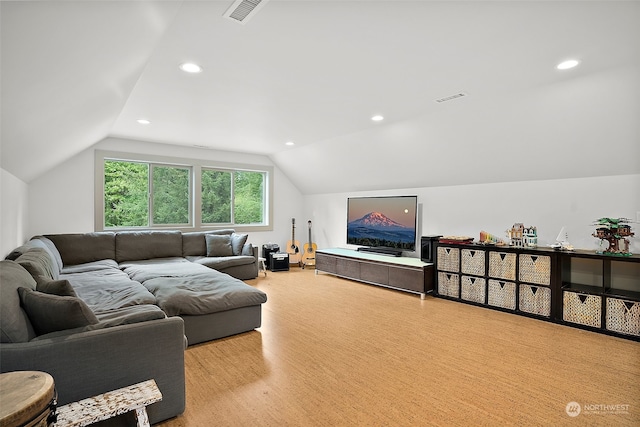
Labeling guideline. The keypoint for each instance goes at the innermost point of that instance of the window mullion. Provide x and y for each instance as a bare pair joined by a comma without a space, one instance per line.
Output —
233,198
150,194
196,192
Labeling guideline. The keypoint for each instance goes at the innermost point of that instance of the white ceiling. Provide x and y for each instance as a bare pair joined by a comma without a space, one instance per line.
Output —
314,72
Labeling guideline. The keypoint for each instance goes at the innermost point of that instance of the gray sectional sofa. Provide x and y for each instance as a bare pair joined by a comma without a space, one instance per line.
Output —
105,310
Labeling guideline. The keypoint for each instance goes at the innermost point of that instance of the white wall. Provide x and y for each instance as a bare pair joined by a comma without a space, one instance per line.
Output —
468,209
62,200
13,212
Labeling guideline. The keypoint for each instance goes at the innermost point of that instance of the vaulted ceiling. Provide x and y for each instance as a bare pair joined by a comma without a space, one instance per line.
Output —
315,72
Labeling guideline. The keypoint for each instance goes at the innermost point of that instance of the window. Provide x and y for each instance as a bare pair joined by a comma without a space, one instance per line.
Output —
126,194
140,194
232,197
170,195
133,192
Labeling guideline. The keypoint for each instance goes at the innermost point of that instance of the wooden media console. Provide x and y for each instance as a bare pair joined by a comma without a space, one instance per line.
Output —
402,273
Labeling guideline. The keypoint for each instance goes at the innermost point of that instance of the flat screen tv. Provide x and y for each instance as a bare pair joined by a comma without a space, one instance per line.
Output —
385,224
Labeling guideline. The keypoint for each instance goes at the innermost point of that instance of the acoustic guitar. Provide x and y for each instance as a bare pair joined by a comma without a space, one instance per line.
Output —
293,246
309,252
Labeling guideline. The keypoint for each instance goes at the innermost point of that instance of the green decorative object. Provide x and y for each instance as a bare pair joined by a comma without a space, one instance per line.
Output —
616,231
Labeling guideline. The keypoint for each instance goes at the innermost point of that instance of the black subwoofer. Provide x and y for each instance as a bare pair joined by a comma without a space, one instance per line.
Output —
427,248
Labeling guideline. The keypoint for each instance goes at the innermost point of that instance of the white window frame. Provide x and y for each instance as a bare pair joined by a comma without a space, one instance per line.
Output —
196,166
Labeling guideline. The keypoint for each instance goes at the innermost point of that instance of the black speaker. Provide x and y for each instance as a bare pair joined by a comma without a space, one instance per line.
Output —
267,250
427,248
279,261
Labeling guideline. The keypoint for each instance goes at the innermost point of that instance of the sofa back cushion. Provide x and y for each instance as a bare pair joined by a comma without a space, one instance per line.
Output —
38,262
194,243
137,245
14,322
39,242
80,248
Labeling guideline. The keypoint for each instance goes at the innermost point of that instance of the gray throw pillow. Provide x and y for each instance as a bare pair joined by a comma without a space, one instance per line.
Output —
237,242
219,245
51,313
60,287
14,322
247,250
38,262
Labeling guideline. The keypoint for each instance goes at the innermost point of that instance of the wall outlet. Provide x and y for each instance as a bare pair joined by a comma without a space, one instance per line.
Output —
638,216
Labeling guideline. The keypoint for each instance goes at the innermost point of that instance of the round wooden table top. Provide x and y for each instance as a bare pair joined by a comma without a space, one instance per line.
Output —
24,395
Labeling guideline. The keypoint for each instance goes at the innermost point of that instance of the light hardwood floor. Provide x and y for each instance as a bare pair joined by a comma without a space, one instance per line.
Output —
333,352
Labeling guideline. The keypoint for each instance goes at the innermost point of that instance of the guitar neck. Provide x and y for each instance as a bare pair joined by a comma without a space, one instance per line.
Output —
293,232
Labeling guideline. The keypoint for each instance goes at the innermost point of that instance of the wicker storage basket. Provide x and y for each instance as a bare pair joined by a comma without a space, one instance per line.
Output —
473,289
502,265
535,300
623,316
582,308
535,269
502,294
472,262
448,259
449,284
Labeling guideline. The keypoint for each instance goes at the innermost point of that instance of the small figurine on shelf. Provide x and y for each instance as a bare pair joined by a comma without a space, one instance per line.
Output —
490,239
562,241
523,237
616,232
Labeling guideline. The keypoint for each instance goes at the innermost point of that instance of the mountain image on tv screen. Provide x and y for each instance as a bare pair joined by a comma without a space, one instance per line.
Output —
378,228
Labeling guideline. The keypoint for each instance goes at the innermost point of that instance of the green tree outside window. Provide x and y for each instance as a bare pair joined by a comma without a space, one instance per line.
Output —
142,194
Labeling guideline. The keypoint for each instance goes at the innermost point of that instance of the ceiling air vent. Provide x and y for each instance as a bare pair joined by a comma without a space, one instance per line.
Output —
449,98
243,10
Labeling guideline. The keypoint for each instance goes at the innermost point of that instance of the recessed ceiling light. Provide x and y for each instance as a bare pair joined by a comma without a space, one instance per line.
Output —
143,121
289,143
377,118
189,67
567,64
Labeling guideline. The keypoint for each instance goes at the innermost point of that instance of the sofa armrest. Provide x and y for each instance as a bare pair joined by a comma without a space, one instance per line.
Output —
90,363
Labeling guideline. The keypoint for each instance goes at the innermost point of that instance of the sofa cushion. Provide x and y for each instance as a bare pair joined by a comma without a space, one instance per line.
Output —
182,287
138,245
132,314
108,289
38,242
119,317
51,313
51,248
15,325
194,243
94,266
237,242
59,287
221,262
38,262
219,245
80,248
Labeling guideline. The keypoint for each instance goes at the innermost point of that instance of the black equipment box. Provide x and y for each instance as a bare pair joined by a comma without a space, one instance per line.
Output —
279,261
268,249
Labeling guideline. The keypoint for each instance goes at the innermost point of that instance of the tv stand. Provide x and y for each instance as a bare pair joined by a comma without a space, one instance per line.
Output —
402,273
381,250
